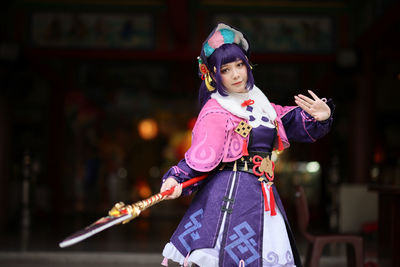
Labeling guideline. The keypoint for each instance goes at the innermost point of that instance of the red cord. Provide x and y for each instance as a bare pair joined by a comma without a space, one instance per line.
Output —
272,201
265,197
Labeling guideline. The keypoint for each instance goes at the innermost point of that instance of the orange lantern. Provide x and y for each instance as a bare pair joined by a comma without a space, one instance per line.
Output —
148,129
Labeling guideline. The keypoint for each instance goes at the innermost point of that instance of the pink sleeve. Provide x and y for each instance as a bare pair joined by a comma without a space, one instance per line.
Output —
208,138
213,138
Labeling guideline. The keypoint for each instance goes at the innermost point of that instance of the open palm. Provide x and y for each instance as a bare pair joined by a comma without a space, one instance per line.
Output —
316,107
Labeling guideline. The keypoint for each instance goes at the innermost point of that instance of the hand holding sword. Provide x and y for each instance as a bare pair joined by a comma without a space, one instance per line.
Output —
169,183
122,213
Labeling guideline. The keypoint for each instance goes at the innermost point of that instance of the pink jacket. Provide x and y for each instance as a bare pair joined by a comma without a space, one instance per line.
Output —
214,139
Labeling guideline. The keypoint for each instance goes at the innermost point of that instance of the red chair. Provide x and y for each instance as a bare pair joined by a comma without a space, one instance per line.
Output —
354,244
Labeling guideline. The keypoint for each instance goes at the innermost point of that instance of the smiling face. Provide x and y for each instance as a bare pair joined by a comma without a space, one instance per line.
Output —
234,76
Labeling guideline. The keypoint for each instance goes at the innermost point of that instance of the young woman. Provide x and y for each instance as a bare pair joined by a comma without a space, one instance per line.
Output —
236,217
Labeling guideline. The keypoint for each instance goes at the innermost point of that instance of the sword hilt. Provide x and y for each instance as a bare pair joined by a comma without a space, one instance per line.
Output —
135,209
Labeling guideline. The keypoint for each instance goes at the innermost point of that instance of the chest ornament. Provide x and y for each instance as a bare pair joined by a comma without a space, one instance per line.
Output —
243,129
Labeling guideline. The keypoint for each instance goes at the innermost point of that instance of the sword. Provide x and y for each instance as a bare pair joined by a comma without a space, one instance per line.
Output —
122,213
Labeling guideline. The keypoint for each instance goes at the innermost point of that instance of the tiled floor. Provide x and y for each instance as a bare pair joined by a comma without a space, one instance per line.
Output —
79,259
134,244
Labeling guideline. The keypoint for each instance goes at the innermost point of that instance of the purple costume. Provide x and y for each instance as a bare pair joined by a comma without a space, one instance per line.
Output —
228,209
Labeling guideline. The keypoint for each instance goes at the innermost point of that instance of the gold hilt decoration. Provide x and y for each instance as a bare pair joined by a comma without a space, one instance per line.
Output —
120,208
135,209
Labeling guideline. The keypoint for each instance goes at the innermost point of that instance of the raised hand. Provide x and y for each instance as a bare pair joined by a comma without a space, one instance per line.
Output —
316,107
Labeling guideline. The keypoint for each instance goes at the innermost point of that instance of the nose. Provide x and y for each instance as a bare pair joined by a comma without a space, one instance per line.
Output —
235,73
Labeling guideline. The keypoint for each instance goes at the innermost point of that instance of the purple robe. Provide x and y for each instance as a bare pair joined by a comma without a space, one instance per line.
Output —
243,227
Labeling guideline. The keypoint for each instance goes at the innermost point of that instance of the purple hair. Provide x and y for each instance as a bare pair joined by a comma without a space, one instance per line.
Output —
224,54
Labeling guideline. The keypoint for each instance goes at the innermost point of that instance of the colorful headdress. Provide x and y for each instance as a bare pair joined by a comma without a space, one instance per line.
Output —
222,34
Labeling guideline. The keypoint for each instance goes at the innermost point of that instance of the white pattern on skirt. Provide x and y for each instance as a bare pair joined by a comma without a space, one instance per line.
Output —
276,246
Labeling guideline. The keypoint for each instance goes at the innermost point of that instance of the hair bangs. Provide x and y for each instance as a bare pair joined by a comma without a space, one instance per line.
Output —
230,54
223,55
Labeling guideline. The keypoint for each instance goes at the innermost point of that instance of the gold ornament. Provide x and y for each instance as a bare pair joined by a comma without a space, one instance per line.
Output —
208,81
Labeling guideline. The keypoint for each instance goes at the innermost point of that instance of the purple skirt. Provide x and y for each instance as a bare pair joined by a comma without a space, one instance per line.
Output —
236,204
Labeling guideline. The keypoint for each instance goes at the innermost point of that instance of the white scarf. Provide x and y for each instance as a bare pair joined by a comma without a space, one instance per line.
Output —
261,107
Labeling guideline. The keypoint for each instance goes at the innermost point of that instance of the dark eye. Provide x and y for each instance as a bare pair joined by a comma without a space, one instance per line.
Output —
224,70
240,64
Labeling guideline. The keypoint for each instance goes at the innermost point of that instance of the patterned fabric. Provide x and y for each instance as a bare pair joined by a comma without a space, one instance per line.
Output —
224,34
276,253
242,241
191,229
214,139
226,222
241,244
272,260
261,107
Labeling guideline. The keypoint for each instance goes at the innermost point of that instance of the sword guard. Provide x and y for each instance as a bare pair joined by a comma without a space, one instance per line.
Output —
120,209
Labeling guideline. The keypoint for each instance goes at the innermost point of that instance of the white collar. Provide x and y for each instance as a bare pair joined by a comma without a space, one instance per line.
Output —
260,112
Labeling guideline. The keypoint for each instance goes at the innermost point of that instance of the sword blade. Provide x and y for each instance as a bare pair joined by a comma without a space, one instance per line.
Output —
96,227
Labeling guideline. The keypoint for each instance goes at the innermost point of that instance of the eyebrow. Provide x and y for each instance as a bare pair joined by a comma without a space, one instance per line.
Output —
225,65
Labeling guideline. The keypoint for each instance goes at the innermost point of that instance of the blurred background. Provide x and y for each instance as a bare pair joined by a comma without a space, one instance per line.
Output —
98,98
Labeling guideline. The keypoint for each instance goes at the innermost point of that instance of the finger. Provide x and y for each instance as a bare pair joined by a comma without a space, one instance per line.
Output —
303,107
177,192
303,104
172,195
313,95
169,183
176,189
306,98
163,187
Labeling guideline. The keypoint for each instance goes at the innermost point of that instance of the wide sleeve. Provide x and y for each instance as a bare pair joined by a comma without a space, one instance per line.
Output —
209,137
302,127
181,173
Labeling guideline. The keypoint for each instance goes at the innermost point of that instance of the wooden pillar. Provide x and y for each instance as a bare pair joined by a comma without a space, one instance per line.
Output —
4,160
361,124
56,148
364,110
55,132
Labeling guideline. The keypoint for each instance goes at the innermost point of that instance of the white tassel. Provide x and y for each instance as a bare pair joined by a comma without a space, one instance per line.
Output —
185,262
164,262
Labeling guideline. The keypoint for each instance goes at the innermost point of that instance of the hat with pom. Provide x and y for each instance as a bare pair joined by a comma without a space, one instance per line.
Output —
224,34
